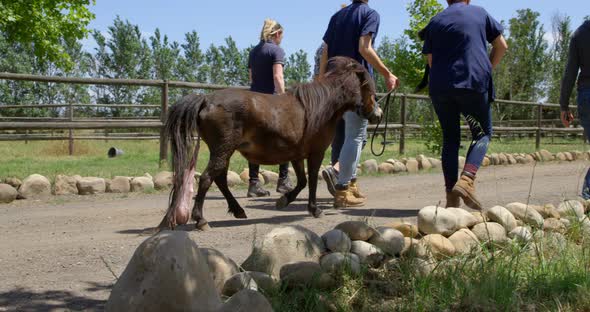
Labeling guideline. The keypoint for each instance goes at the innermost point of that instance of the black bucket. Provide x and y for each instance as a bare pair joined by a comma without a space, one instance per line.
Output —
114,152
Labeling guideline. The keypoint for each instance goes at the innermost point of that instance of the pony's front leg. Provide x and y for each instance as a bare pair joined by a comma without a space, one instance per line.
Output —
313,167
285,200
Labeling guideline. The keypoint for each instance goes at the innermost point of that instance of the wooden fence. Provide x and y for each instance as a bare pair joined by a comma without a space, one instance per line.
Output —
70,123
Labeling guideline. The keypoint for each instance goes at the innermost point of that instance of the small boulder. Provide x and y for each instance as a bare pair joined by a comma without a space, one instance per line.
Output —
141,184
511,159
423,162
479,215
560,156
399,167
569,156
490,232
370,166
245,175
546,155
221,268
571,208
386,168
283,245
270,177
65,185
440,246
464,241
233,179
356,230
8,193
119,185
305,274
503,159
368,254
91,186
163,180
413,248
525,213
547,211
14,182
249,280
407,229
337,241
437,220
486,162
389,240
412,165
495,159
521,234
35,186
464,218
436,163
529,159
338,262
554,225
502,216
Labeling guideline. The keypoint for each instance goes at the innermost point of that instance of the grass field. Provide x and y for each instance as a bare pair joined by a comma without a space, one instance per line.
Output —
90,159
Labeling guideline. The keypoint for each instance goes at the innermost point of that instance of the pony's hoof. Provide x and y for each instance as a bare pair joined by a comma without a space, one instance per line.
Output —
240,215
202,225
282,203
316,213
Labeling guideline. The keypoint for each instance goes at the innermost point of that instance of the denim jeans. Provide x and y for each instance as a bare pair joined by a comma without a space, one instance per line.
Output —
338,141
476,108
584,115
355,130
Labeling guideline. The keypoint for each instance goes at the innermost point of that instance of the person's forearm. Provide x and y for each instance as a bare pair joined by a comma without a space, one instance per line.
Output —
324,61
372,58
499,48
279,84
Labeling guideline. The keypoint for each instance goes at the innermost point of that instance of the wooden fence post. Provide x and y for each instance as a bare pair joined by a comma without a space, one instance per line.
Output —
402,133
70,131
163,137
539,117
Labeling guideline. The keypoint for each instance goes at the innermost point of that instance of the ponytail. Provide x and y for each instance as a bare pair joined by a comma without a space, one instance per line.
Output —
270,28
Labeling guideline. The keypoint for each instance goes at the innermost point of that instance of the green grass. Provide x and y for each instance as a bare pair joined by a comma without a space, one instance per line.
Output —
90,159
538,277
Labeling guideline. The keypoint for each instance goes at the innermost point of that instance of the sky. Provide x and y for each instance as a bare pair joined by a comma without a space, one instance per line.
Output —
304,21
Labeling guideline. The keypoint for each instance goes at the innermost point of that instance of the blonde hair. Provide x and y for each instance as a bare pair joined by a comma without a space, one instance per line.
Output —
270,28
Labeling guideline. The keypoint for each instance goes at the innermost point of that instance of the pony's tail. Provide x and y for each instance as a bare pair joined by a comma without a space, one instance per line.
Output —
181,126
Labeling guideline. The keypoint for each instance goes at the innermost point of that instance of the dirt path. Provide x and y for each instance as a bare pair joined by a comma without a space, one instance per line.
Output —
56,255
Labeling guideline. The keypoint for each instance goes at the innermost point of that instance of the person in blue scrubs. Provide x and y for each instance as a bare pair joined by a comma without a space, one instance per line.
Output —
456,44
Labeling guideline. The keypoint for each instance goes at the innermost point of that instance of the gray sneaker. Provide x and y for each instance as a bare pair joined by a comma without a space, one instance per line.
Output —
284,186
256,190
331,178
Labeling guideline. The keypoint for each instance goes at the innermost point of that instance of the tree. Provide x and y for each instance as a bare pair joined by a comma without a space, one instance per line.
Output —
562,32
235,66
45,25
191,65
297,68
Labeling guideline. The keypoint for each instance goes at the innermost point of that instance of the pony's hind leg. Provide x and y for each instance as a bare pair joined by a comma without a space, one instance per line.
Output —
216,166
285,200
232,204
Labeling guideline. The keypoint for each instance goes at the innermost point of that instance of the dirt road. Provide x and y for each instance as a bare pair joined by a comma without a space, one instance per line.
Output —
57,255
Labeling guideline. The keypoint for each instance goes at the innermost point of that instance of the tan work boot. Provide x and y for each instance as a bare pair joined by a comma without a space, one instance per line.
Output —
453,201
344,198
355,190
465,189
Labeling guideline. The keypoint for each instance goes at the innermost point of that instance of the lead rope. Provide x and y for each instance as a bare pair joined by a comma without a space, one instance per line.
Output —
387,97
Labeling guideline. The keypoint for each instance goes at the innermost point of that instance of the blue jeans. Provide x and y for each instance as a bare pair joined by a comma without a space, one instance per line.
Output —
338,141
355,130
476,108
584,115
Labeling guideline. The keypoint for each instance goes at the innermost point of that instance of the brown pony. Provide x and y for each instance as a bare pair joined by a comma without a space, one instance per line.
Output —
265,129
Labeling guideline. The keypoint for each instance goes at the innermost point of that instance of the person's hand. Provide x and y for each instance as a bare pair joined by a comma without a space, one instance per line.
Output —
391,82
566,118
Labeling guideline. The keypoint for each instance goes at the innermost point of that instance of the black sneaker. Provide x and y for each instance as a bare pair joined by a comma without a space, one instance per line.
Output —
284,186
331,178
256,190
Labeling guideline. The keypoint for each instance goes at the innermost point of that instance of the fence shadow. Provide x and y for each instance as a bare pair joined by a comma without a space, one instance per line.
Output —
26,300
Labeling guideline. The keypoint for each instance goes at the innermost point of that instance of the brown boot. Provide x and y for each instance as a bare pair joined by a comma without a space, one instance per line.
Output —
453,201
465,189
354,189
344,198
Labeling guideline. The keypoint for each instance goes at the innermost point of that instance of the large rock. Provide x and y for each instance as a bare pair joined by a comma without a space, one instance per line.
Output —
546,155
437,220
412,165
560,156
163,180
503,159
490,232
386,168
91,186
569,156
511,159
571,208
436,163
245,175
502,216
14,182
270,177
303,273
414,248
249,280
399,167
368,254
440,246
168,273
521,234
142,184
495,159
338,262
8,193
464,218
65,185
370,166
283,245
486,161
221,268
119,185
526,214
337,241
423,162
35,186
389,240
356,230
547,211
554,225
407,229
464,241
233,179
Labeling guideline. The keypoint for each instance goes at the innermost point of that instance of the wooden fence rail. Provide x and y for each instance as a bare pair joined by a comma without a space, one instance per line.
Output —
70,123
